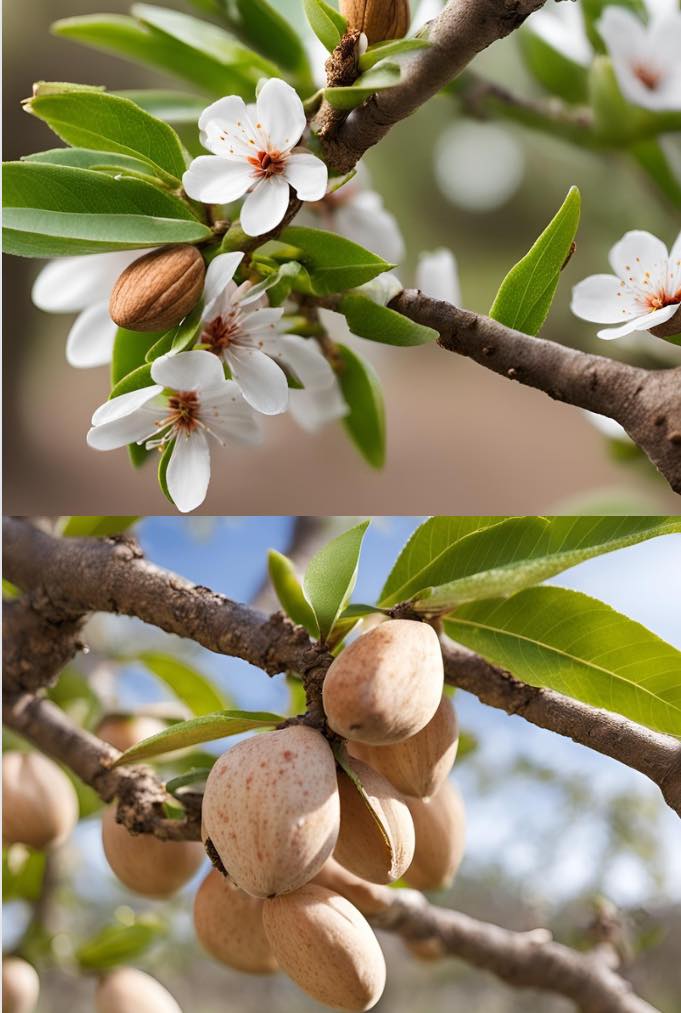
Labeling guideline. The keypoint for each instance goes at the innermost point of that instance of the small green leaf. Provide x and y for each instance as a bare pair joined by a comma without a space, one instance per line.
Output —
290,593
205,728
163,463
553,70
326,22
365,422
84,158
129,352
119,944
171,106
374,322
22,873
380,77
186,682
331,575
197,776
392,47
297,698
96,527
580,647
345,763
654,160
135,380
333,263
526,293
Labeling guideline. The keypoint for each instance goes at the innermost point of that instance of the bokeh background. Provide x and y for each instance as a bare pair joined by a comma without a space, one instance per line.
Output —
459,438
553,828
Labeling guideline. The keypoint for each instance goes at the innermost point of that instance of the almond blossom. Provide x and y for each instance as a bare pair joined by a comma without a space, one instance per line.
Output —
256,156
644,291
645,58
189,401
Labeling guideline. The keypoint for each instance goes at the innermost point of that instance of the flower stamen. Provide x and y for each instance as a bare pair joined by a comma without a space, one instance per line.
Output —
268,164
649,78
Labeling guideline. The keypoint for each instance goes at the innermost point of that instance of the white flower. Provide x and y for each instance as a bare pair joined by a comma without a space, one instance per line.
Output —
189,401
82,285
239,326
314,409
561,26
645,58
437,276
258,159
644,292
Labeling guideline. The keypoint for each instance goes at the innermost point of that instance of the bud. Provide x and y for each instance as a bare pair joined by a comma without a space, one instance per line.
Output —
155,292
20,986
378,19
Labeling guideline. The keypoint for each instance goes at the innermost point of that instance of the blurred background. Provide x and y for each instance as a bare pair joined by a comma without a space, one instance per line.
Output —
468,441
555,831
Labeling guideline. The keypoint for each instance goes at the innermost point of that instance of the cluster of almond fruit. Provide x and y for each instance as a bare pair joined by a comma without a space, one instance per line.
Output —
308,836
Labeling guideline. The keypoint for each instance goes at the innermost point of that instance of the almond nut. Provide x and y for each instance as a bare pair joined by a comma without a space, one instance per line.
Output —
157,291
127,989
20,986
39,803
378,19
440,825
229,926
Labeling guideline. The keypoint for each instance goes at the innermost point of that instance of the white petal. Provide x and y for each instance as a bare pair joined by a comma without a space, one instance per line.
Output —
640,259
561,26
125,404
674,269
382,288
261,321
307,174
305,358
262,382
604,299
123,428
607,426
313,409
227,415
188,471
280,114
220,272
437,276
622,32
195,370
215,180
643,323
73,283
226,110
365,221
265,206
91,339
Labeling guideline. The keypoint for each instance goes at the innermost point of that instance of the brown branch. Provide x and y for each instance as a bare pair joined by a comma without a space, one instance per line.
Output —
647,403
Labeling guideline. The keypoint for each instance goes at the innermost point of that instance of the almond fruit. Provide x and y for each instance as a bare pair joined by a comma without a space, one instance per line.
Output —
127,990
146,865
126,732
369,898
229,926
386,685
20,986
326,946
39,803
440,825
157,291
378,19
376,839
271,809
420,764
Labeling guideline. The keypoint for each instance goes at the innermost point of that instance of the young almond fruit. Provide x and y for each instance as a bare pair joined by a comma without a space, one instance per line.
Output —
378,19
420,764
386,685
326,946
123,732
146,865
127,990
271,809
376,839
369,898
39,803
155,292
440,825
229,926
20,986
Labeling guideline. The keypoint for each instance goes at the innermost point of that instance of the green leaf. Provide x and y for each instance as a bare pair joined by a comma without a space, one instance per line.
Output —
163,463
365,422
425,559
374,322
331,575
197,776
297,697
508,557
22,873
391,47
138,378
103,122
259,24
380,77
119,944
171,106
205,728
654,161
186,682
96,527
526,293
333,263
345,763
129,352
553,70
326,22
222,67
83,158
290,593
578,646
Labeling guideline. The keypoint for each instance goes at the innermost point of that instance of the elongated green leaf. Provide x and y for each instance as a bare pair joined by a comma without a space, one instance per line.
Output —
163,463
345,763
578,646
129,352
326,22
521,551
365,422
96,527
333,263
380,77
118,944
526,293
392,47
290,592
22,873
654,160
370,320
425,559
331,575
83,158
205,728
187,683
259,24
171,106
197,776
553,70
104,122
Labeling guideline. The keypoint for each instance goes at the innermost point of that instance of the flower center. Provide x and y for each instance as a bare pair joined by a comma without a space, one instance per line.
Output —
220,332
268,164
183,415
659,300
649,78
